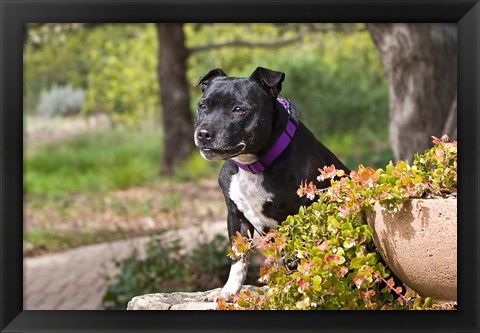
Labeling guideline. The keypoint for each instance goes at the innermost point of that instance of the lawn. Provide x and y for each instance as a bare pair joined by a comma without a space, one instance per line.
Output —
93,162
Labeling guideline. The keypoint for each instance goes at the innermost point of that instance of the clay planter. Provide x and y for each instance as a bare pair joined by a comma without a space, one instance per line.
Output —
419,244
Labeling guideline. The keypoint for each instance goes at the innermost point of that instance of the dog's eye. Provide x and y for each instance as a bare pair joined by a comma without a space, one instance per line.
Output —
239,110
202,107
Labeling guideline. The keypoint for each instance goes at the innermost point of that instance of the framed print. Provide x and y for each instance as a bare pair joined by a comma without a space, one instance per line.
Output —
16,16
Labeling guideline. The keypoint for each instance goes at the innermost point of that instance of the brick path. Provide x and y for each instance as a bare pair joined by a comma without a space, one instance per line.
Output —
74,279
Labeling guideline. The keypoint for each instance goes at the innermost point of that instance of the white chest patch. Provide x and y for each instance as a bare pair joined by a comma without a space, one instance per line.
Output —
249,195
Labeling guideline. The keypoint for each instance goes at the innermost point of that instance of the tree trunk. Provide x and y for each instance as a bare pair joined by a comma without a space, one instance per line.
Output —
420,61
175,99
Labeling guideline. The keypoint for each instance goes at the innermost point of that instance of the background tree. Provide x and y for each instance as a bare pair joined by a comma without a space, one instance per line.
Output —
175,99
420,61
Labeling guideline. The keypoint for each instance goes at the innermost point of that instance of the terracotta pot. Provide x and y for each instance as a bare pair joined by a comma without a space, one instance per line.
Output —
419,244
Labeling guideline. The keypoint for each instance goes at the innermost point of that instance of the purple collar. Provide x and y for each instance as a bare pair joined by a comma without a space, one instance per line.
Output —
280,145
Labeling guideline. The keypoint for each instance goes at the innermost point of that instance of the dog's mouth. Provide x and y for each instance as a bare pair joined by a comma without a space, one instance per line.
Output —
213,153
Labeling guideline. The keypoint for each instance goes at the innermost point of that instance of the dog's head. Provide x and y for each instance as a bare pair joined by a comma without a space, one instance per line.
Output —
234,117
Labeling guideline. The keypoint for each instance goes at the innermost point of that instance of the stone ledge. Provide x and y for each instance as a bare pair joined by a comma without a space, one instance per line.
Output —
176,301
172,301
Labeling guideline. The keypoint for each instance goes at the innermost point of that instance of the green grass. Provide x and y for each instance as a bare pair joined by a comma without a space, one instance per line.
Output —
109,160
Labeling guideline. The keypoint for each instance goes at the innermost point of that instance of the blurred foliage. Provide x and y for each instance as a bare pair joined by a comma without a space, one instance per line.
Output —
122,80
61,101
161,269
209,263
334,78
196,168
114,63
164,268
53,55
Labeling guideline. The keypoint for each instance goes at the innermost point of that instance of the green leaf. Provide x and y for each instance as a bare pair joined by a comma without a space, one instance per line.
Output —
428,302
243,303
357,263
317,283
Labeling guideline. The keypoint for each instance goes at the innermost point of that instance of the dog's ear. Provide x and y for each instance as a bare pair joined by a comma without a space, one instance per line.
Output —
205,79
270,80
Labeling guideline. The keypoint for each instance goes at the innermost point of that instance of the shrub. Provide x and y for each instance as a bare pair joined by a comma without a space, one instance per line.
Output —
161,269
331,260
61,101
165,269
209,264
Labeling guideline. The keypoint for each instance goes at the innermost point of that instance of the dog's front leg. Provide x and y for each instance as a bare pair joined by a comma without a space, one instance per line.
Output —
239,268
238,273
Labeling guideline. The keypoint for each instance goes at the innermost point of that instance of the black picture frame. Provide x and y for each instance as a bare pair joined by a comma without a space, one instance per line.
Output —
14,14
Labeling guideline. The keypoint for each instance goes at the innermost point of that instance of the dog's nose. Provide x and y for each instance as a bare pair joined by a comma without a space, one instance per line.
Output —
204,136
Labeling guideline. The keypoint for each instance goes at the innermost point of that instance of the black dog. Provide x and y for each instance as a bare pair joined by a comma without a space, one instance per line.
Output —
267,154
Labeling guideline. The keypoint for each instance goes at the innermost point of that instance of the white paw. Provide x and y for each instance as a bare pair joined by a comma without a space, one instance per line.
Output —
219,294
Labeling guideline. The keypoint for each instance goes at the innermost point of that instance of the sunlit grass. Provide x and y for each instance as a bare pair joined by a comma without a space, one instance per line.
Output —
101,161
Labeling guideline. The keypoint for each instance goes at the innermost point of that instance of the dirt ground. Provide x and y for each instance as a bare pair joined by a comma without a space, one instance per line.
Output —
137,211
133,209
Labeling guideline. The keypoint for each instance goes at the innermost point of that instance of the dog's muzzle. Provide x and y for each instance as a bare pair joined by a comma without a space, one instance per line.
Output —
212,151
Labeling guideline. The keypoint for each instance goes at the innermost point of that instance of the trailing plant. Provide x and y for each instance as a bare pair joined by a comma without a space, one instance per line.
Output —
324,257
